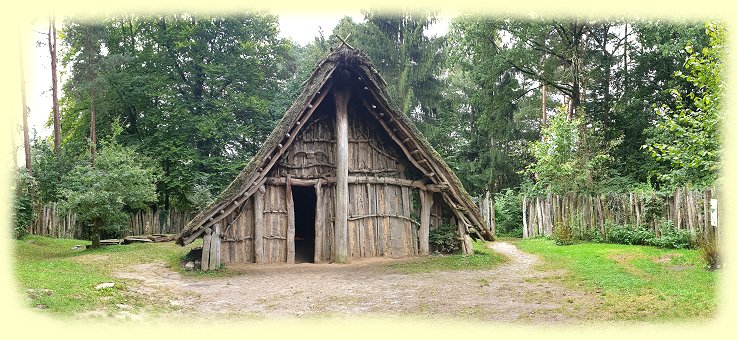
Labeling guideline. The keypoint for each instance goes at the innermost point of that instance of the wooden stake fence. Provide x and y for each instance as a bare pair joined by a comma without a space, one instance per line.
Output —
49,221
687,209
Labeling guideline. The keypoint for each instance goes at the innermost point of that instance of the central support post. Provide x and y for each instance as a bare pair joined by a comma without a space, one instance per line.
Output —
341,175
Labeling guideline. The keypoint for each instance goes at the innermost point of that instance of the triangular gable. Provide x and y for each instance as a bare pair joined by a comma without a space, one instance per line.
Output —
401,130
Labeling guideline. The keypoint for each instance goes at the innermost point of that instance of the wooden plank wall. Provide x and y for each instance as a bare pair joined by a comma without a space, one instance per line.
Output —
380,221
275,224
311,153
687,209
237,244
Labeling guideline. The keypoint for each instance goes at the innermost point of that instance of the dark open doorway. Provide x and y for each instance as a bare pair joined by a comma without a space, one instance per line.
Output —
304,223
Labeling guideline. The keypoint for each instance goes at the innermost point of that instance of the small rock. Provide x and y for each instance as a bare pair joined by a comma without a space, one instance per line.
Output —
41,306
105,285
189,266
197,265
123,306
77,247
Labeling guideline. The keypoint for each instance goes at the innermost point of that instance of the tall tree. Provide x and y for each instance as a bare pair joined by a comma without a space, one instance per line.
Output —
193,92
54,85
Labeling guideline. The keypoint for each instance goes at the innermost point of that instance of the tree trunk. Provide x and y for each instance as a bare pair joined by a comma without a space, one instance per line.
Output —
54,86
95,236
93,128
26,140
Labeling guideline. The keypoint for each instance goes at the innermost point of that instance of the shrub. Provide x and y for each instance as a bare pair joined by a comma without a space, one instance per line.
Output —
670,237
563,234
629,234
443,239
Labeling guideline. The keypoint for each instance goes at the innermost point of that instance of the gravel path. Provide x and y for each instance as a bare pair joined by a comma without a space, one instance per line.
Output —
514,291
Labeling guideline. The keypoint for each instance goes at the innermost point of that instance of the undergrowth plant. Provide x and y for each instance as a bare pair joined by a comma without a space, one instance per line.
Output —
443,239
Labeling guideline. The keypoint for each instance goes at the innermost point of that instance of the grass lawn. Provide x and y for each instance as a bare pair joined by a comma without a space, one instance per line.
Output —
62,281
482,258
636,282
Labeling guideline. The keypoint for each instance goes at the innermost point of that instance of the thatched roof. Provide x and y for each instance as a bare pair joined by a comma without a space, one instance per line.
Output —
339,62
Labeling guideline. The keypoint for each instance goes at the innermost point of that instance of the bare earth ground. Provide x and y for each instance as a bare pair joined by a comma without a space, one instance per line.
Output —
514,291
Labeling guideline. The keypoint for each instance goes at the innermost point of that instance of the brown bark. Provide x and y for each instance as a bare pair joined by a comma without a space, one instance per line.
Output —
93,127
95,233
54,86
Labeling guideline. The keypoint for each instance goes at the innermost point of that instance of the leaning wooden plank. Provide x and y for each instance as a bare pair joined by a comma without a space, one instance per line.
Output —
206,250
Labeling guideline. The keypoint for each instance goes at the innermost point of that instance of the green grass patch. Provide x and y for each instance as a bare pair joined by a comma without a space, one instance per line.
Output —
62,280
482,258
636,282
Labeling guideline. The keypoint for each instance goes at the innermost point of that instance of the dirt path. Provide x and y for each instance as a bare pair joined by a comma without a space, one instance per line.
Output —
513,291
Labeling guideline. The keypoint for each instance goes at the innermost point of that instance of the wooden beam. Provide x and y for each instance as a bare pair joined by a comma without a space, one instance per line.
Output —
215,248
258,226
419,184
205,261
341,176
319,211
426,200
290,221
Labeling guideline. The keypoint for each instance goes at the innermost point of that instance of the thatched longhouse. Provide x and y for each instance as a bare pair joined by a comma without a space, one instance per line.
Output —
343,175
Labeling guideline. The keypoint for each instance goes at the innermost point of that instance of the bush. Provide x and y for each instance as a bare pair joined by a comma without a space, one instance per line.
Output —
23,214
563,234
670,237
629,234
443,239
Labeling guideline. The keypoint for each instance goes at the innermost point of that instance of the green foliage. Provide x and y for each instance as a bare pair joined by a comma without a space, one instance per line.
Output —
118,182
508,213
572,156
563,234
444,239
670,237
194,92
628,234
23,213
687,138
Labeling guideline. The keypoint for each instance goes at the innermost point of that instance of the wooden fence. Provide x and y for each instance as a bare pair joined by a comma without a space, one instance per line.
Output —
485,204
687,209
50,221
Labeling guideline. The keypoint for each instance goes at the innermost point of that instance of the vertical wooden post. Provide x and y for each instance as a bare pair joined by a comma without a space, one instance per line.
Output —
215,248
318,221
426,199
341,176
290,221
258,225
492,214
205,262
525,233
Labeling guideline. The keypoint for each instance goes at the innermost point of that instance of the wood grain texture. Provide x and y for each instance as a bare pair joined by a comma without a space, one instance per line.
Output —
341,254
